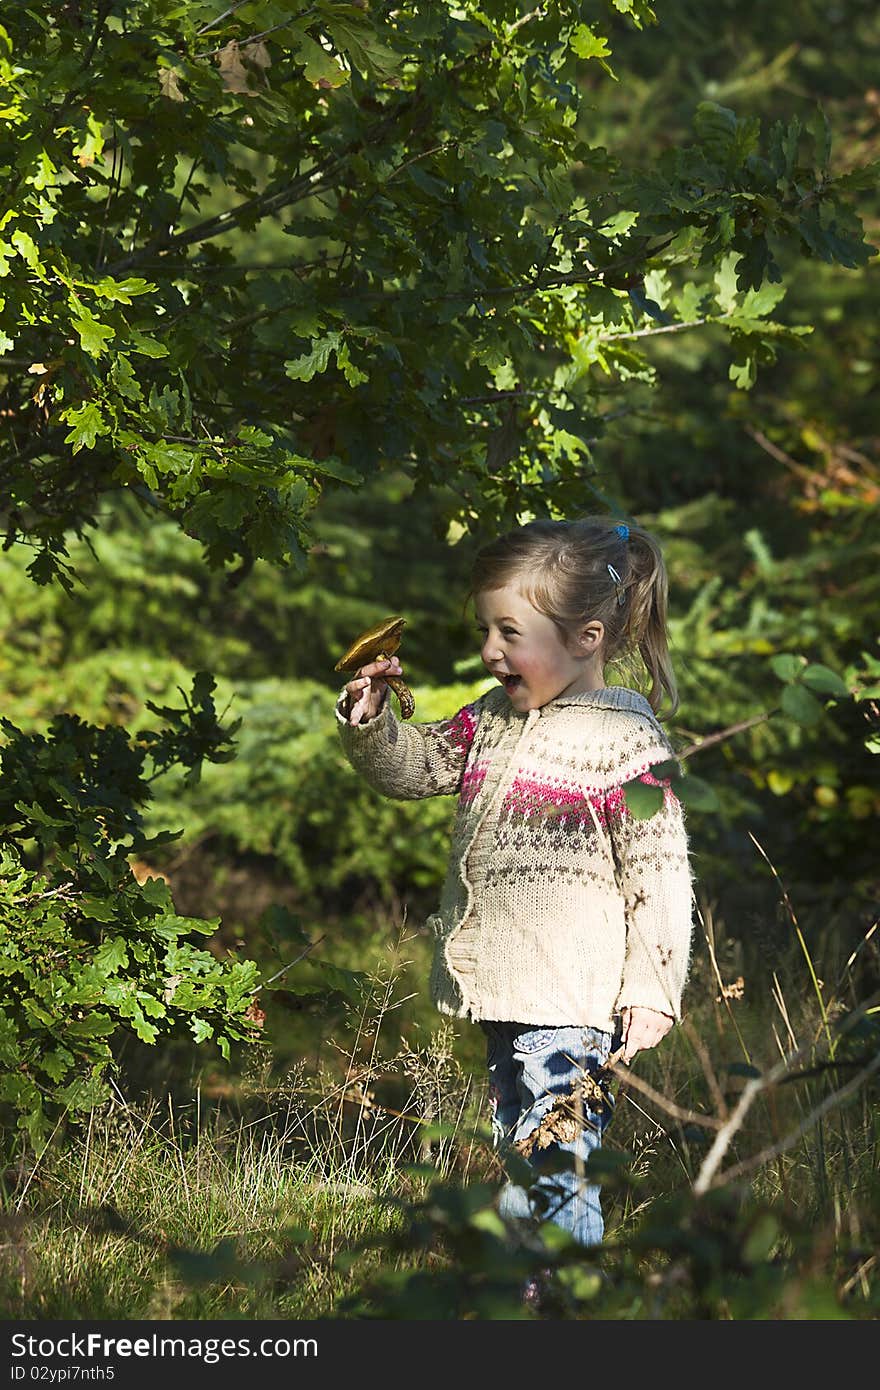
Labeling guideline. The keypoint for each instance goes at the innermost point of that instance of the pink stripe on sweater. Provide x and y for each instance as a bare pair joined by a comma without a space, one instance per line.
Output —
529,796
460,729
471,782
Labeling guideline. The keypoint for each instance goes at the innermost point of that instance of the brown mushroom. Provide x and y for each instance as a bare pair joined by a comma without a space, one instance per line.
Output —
379,643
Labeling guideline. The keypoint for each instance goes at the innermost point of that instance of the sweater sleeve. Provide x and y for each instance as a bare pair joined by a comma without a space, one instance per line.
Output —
654,875
409,761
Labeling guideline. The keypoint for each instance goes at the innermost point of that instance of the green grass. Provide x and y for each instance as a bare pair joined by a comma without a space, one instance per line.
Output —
317,1193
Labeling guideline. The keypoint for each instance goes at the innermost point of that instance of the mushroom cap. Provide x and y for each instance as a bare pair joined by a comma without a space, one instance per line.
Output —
382,637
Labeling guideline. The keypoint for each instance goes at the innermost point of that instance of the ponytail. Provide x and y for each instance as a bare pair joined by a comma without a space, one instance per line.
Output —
646,628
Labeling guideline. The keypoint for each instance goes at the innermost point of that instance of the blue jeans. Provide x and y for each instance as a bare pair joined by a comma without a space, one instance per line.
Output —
530,1069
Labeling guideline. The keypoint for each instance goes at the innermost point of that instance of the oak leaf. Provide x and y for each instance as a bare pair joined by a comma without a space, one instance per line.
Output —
233,70
567,1117
169,85
257,54
254,1014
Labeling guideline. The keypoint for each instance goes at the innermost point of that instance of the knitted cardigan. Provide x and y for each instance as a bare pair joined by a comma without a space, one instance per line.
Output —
558,906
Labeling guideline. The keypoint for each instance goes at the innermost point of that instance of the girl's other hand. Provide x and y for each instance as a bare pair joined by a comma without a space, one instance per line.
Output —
367,691
642,1028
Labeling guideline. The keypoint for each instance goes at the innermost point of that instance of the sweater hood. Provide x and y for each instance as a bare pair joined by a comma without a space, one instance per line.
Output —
609,697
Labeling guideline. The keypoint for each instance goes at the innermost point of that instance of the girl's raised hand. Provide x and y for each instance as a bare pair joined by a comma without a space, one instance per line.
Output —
366,692
642,1028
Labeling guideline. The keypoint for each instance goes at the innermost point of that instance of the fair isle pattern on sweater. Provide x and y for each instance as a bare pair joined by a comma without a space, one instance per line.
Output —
558,906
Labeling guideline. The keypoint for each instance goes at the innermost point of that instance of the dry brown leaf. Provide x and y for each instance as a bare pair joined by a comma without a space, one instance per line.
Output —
566,1118
233,70
734,991
142,871
254,1014
171,983
257,54
169,85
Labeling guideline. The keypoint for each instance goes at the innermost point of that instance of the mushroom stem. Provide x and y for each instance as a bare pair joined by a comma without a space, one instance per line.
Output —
401,690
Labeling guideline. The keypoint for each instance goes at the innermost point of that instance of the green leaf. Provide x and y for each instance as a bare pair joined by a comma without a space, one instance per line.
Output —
201,1029
353,375
112,955
120,291
86,423
316,361
716,128
671,768
642,799
156,891
27,249
787,666
585,44
725,283
800,705
756,303
94,336
825,681
97,909
94,1025
697,793
57,1064
147,1032
744,374
640,11
146,346
322,69
364,50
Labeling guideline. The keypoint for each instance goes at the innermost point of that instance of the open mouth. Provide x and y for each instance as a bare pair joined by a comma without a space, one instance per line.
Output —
511,683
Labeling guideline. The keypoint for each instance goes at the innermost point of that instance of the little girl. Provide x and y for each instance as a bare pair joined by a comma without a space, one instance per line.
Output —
564,923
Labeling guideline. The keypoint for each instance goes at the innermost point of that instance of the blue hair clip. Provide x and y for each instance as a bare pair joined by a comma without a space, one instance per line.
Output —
623,531
618,584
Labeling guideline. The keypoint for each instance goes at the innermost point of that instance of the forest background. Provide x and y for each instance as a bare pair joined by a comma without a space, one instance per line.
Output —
300,305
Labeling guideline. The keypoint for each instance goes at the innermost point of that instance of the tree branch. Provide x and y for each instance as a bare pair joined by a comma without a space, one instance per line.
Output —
255,38
693,1117
787,1141
727,733
220,18
754,1087
666,328
262,204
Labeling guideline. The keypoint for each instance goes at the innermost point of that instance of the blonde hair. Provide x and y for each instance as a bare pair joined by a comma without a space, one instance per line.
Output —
562,568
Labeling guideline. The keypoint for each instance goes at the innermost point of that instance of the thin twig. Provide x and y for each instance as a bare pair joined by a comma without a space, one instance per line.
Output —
685,1116
311,946
254,38
714,960
708,1070
712,1161
225,15
817,988
539,13
726,733
666,328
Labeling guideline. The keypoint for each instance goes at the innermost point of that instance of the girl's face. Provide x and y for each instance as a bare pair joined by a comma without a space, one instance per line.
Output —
525,650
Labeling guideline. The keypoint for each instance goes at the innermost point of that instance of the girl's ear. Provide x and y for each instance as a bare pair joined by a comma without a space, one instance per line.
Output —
591,637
